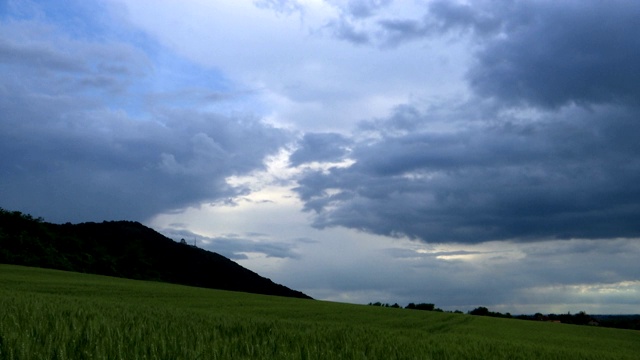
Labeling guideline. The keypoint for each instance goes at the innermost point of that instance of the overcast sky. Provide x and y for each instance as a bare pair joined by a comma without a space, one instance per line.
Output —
462,153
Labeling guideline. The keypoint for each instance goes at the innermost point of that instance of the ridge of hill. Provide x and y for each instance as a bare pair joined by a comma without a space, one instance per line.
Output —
124,249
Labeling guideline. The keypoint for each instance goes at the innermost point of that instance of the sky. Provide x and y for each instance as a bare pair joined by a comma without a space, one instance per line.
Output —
461,153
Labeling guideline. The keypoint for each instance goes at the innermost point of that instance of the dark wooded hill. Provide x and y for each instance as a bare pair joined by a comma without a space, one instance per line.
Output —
124,249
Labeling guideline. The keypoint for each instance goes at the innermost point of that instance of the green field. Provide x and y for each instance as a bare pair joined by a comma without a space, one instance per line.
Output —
47,314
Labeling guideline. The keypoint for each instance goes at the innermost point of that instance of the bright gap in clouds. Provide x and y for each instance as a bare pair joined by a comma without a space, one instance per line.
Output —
265,231
345,265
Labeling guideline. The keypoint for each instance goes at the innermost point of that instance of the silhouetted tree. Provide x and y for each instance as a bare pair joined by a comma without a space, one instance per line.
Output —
480,311
421,306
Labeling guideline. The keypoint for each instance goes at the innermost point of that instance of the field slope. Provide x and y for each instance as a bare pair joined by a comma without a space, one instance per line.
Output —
50,314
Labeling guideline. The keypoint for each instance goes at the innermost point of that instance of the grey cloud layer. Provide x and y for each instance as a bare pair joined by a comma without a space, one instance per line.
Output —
71,152
438,18
563,165
320,147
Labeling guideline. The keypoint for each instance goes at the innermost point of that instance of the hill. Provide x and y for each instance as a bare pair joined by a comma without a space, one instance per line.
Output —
124,249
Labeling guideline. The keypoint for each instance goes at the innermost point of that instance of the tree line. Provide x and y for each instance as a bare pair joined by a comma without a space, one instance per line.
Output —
413,306
631,322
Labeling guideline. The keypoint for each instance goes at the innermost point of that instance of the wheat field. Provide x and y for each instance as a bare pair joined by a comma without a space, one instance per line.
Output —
48,314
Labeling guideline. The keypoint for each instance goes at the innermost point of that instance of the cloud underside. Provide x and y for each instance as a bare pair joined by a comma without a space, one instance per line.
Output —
543,147
80,142
570,176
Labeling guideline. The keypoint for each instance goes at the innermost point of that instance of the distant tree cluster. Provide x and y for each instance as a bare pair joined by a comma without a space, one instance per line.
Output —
422,306
582,318
412,306
483,311
631,322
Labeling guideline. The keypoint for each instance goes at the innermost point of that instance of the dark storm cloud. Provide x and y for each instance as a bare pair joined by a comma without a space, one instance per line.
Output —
572,174
320,147
557,53
563,165
71,152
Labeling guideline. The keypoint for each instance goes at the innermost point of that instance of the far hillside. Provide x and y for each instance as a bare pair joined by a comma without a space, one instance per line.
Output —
124,249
